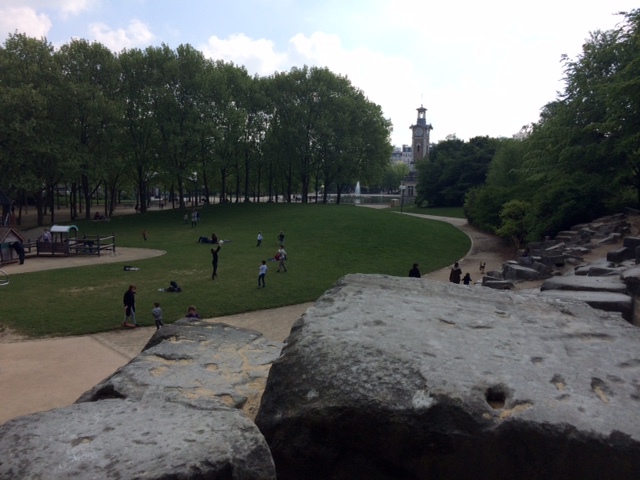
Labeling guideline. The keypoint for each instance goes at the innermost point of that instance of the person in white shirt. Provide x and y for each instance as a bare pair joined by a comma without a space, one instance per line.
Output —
262,272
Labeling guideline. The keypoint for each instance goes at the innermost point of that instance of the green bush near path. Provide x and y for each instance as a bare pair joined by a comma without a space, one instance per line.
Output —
324,243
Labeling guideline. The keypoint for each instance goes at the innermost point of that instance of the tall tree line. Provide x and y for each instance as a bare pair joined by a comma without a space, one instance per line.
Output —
580,160
85,121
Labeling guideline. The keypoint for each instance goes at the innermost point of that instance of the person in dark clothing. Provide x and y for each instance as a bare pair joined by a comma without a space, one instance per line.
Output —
456,273
415,271
214,261
466,279
129,301
17,246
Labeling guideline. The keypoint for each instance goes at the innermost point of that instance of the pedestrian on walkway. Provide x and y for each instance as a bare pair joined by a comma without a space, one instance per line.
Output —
456,273
415,271
262,272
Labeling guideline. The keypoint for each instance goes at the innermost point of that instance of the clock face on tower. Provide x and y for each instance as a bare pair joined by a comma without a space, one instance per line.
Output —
418,132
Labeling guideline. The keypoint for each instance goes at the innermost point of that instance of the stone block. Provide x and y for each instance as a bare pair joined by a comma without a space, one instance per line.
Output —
609,302
585,283
387,378
126,439
620,255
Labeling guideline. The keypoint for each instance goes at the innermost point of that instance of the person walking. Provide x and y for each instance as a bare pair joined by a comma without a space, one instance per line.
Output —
282,256
129,301
214,261
262,272
467,278
157,315
415,271
259,239
456,273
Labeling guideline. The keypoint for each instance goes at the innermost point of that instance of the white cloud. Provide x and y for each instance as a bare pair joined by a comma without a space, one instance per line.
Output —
24,20
257,56
137,34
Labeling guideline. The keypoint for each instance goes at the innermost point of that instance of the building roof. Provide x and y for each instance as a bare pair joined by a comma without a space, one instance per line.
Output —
62,228
10,234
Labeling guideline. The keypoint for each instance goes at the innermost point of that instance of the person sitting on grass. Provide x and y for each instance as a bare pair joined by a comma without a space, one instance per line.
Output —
192,312
213,239
173,287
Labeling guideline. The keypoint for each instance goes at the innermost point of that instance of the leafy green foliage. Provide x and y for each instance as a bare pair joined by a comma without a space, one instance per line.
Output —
323,242
514,221
452,169
582,159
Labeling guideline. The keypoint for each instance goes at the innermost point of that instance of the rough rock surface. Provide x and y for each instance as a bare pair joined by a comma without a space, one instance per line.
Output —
607,301
391,378
197,363
126,440
584,283
174,411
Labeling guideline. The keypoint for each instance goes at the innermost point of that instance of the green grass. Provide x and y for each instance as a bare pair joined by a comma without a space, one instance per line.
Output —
323,242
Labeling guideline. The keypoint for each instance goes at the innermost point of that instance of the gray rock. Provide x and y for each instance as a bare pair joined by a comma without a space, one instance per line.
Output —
631,242
513,271
116,439
607,240
497,284
599,271
391,379
631,278
620,254
575,282
196,363
607,301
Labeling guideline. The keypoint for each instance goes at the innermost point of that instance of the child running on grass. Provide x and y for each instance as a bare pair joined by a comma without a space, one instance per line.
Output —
262,272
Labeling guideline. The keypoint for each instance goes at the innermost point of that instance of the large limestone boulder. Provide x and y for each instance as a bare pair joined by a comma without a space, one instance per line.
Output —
585,283
607,301
196,363
389,378
536,271
120,439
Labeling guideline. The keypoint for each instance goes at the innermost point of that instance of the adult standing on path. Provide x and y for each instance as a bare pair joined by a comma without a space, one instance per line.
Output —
415,271
456,273
214,261
282,257
129,301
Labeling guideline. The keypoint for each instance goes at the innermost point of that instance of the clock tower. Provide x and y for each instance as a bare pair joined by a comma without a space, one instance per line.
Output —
420,138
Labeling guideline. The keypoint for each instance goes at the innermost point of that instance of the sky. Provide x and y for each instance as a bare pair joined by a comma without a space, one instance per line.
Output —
480,68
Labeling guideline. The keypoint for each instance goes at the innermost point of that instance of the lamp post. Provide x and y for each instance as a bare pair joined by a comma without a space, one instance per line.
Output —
402,187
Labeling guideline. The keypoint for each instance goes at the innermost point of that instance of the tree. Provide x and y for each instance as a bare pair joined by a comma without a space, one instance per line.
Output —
90,78
32,119
514,222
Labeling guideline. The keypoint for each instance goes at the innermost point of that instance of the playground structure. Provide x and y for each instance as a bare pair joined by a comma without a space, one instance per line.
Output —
65,241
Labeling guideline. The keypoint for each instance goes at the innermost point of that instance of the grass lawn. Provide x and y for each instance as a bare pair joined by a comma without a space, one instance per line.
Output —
323,242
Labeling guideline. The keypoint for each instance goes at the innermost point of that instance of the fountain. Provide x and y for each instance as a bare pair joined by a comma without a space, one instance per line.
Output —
357,193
